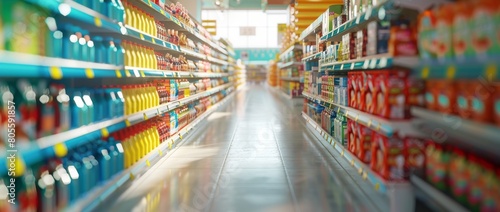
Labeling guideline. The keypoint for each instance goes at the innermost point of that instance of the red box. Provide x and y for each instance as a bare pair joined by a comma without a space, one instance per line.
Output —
391,97
365,136
464,98
351,139
388,157
446,96
482,101
352,89
414,154
431,94
416,92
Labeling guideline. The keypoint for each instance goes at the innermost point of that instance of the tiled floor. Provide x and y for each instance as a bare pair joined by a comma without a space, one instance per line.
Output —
253,155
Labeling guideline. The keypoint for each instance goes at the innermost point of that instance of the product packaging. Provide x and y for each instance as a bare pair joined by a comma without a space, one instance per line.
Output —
437,165
391,97
378,34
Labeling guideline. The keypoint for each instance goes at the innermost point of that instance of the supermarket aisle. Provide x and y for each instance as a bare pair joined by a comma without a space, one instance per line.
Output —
253,155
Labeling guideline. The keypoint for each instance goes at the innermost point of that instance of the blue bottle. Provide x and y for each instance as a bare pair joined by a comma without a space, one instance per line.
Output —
84,48
105,162
74,175
78,109
87,96
68,40
75,39
120,53
111,50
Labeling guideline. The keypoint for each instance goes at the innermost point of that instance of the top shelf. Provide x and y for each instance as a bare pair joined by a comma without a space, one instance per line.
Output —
308,33
378,12
160,14
286,52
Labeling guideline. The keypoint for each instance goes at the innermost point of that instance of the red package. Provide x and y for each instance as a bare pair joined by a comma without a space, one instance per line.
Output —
447,96
352,87
402,40
458,182
489,183
351,139
464,98
359,92
388,157
414,154
474,172
369,96
482,103
431,94
416,92
365,136
391,97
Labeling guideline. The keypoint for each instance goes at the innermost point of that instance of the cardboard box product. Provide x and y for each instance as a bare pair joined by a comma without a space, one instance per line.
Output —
365,136
416,91
329,15
402,40
436,165
446,96
391,95
458,182
378,35
393,159
415,155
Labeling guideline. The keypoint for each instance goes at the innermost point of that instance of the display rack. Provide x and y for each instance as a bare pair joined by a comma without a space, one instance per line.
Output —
400,194
370,63
97,196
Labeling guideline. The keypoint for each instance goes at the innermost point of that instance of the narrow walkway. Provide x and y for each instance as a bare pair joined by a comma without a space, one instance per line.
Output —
253,155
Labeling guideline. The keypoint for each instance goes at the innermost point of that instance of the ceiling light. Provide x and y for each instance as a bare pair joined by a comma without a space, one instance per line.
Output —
217,2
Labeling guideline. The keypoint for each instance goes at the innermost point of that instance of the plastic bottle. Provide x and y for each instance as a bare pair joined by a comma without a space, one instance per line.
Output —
153,26
127,149
63,117
84,48
46,190
120,53
120,102
144,60
135,18
77,47
105,162
110,49
87,99
120,11
133,56
100,50
46,122
127,58
101,109
128,14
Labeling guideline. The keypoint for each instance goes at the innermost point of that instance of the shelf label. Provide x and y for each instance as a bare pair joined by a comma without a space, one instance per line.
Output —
378,126
360,171
60,149
342,153
148,163
450,72
104,132
56,73
145,116
127,73
153,40
118,73
357,117
162,12
127,123
370,123
160,152
164,44
180,136
365,176
89,73
368,13
97,22
142,73
491,72
377,186
131,176
358,19
141,36
425,72
352,162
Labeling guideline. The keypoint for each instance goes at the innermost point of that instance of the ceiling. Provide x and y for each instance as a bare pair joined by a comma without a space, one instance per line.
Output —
247,4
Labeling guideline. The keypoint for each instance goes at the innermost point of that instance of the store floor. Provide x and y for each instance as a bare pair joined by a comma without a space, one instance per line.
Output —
255,154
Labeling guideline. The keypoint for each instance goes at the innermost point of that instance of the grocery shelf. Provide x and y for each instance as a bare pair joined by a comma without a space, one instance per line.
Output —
400,192
293,79
378,124
309,32
143,72
94,21
458,69
218,61
358,23
96,196
312,57
162,15
193,54
450,128
433,197
288,65
290,49
50,146
153,41
14,64
371,62
378,12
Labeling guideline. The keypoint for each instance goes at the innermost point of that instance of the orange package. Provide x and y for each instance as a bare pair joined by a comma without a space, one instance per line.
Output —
464,98
496,103
447,96
482,101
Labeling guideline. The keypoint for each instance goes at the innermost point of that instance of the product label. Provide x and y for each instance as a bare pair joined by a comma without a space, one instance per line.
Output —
462,102
478,105
429,98
483,37
443,100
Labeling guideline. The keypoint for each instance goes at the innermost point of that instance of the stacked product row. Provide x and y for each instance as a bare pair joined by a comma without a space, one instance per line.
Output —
49,107
56,183
139,19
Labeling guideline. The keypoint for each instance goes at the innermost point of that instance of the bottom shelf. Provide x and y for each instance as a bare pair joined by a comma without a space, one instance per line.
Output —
97,196
433,197
400,193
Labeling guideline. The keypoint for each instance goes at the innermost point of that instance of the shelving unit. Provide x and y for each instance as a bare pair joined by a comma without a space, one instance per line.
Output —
92,77
290,72
99,194
370,63
400,194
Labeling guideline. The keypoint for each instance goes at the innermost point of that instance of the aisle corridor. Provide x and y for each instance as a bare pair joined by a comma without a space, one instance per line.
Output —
252,155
